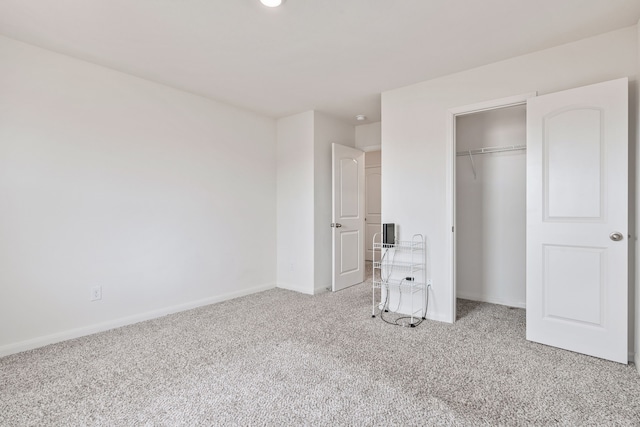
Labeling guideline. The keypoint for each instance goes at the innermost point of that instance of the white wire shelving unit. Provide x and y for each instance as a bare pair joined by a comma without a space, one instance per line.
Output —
400,267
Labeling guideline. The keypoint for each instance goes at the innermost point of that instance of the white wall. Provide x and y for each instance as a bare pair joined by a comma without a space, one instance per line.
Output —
369,136
491,208
163,198
373,159
414,133
327,130
304,199
295,165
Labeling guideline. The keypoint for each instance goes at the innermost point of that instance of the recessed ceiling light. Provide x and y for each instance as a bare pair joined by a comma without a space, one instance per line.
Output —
361,117
271,3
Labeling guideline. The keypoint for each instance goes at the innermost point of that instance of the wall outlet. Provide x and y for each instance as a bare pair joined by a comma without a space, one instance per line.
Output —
96,293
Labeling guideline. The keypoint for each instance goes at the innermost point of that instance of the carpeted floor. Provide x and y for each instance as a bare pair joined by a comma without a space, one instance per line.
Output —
282,358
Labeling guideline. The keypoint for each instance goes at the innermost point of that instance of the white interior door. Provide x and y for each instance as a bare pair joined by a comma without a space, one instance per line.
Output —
373,202
577,220
348,216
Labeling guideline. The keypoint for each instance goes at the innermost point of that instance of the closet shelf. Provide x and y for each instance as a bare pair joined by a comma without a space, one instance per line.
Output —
489,150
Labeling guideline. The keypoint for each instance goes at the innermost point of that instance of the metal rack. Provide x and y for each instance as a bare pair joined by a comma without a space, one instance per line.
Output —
400,267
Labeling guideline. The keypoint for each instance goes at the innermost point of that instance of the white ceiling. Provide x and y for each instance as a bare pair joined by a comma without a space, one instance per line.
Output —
334,56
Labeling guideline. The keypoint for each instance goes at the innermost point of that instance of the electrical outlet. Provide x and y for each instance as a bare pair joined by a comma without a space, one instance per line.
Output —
96,293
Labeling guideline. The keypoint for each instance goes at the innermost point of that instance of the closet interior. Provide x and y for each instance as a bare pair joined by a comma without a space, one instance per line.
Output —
491,206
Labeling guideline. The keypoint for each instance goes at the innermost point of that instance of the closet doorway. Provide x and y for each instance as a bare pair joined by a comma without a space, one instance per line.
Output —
490,190
567,239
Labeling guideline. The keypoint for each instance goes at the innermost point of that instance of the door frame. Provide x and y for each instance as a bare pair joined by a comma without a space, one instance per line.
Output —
367,149
366,195
452,113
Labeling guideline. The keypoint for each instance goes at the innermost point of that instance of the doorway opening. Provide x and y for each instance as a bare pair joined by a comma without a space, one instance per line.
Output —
491,206
488,207
373,202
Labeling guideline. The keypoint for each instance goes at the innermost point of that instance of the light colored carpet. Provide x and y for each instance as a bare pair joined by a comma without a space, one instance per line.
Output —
282,358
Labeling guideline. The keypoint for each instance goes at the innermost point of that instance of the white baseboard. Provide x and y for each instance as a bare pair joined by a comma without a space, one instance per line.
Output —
123,321
636,360
490,299
294,288
438,318
322,289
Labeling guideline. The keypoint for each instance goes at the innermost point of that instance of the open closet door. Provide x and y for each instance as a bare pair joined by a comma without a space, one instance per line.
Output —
577,220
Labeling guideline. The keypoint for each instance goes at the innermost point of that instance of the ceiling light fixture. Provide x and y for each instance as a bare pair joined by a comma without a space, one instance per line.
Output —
272,3
361,117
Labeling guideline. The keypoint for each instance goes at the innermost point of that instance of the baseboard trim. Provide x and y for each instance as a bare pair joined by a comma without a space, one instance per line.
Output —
322,289
438,318
42,341
490,300
294,288
636,360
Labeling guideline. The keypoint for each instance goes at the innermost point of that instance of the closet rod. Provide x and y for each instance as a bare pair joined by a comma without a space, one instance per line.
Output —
488,150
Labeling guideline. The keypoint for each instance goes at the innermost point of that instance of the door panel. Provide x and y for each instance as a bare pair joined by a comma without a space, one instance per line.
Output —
348,216
576,197
349,246
573,144
582,286
349,187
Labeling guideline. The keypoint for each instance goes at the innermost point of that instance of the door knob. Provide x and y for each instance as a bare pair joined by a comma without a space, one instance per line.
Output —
615,236
336,225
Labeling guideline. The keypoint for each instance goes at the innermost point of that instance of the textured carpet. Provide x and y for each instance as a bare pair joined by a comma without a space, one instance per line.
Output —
282,358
